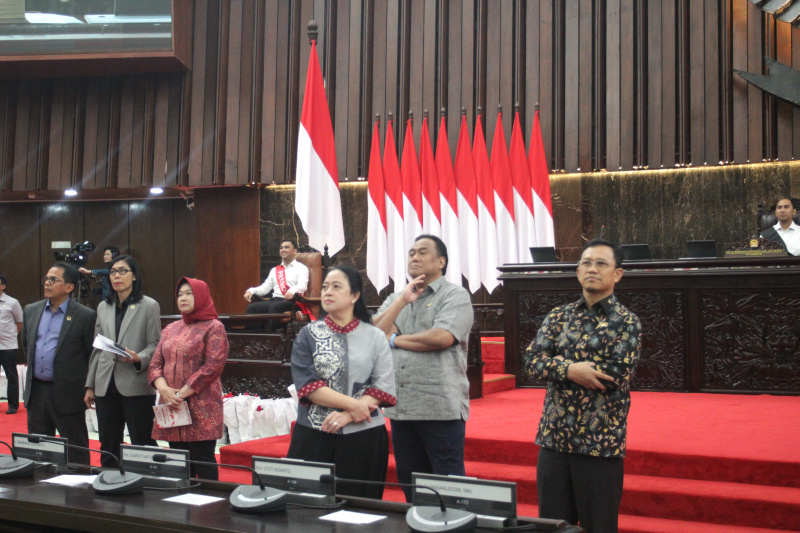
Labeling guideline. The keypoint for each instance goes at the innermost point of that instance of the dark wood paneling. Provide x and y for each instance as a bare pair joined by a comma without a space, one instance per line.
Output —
152,243
184,264
620,83
57,222
20,251
227,231
106,224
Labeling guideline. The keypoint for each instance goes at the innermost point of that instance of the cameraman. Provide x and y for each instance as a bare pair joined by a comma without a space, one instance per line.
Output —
109,254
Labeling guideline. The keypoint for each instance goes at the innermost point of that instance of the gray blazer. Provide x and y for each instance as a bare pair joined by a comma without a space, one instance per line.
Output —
72,353
140,331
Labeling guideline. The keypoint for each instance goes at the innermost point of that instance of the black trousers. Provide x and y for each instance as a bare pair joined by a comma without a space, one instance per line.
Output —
45,419
428,447
580,489
200,450
361,455
114,411
273,305
8,358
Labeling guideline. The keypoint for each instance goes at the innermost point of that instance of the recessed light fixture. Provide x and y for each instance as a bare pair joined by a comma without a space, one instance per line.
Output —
156,190
70,192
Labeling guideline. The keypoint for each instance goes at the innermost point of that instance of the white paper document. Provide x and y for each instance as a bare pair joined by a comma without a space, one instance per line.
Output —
104,343
167,417
70,480
193,499
349,517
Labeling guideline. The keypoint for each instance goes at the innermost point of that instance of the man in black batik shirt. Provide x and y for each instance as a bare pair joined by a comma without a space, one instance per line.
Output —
587,351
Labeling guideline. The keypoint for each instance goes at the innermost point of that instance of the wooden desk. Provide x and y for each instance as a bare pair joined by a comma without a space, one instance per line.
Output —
28,505
721,325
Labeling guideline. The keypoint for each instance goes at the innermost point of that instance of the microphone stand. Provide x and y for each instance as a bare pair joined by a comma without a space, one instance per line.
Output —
107,482
244,498
15,467
423,518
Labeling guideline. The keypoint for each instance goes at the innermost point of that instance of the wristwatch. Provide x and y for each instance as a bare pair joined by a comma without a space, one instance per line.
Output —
391,340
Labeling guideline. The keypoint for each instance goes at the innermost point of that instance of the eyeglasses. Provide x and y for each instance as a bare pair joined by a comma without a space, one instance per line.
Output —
51,279
120,271
599,264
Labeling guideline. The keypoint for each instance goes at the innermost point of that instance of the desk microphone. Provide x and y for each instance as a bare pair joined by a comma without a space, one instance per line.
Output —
422,518
244,498
108,481
15,467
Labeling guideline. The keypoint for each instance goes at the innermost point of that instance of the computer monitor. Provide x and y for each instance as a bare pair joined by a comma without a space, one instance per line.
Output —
701,249
636,252
543,254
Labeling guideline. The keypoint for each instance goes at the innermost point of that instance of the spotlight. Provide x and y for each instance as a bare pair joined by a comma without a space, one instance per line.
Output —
156,190
70,192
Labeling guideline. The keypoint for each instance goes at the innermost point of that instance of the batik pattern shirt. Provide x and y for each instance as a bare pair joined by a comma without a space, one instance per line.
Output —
576,419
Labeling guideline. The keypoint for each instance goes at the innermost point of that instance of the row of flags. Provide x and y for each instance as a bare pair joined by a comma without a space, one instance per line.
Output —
488,212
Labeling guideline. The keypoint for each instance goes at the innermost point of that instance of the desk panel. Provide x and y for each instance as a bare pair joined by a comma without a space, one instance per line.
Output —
719,327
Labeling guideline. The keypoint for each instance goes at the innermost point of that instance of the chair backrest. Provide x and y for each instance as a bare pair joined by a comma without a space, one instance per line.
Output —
769,219
313,260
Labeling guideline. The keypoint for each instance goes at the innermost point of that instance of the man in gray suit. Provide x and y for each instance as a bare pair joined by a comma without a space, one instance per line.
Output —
57,335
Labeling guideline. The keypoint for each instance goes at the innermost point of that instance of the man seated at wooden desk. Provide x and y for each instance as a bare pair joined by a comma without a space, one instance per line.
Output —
785,232
284,281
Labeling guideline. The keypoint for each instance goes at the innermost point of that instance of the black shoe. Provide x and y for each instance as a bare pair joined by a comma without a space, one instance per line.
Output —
11,411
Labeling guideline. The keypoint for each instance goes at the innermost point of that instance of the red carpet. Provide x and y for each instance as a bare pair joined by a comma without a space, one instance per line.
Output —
695,462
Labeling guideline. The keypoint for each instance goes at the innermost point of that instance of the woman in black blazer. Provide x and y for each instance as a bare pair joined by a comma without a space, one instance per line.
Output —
116,385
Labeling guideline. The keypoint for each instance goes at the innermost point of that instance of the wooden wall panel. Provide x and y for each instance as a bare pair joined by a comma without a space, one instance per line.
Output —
227,228
615,80
152,243
20,251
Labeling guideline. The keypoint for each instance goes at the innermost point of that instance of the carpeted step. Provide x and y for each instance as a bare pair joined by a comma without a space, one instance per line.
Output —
493,383
493,355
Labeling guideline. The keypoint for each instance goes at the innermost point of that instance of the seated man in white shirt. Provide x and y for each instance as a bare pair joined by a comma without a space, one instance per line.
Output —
785,232
284,281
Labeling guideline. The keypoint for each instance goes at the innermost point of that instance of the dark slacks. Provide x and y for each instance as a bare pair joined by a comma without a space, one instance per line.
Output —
114,411
8,358
580,489
273,305
428,447
200,450
361,455
45,419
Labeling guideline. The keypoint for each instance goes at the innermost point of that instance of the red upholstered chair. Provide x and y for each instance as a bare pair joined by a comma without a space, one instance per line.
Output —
313,260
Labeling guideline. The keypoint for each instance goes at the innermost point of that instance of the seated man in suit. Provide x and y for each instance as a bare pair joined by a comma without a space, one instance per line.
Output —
57,336
785,232
284,281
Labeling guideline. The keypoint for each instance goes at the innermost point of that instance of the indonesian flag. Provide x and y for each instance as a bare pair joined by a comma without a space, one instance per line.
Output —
412,190
448,196
431,211
503,197
396,247
487,230
377,240
523,202
540,185
467,210
316,197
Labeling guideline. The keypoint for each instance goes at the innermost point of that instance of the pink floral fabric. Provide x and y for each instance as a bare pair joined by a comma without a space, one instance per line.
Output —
193,354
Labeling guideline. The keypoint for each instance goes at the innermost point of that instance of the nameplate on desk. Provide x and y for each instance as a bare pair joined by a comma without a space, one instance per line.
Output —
139,459
294,475
42,451
480,496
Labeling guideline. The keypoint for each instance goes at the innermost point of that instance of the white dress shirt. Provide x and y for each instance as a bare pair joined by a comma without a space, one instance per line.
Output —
10,316
296,278
790,236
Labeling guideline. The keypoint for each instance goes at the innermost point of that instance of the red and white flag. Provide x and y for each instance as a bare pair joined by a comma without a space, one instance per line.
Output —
396,247
377,239
487,230
412,190
431,211
523,202
316,198
503,197
467,210
448,196
540,184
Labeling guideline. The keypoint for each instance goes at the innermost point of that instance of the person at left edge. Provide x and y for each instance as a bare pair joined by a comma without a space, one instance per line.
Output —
10,324
186,367
57,335
116,385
